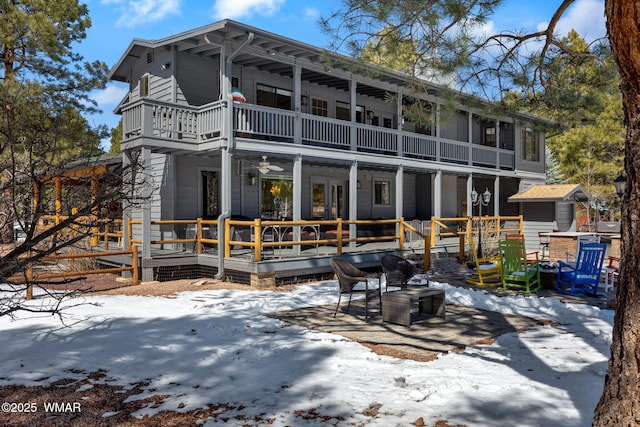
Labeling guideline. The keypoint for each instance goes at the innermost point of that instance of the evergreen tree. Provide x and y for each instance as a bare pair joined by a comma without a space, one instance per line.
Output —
491,65
44,89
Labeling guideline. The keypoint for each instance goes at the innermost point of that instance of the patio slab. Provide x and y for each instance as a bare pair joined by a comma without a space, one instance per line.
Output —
423,341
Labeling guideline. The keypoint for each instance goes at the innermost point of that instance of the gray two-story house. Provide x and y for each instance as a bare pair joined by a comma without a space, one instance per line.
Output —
230,120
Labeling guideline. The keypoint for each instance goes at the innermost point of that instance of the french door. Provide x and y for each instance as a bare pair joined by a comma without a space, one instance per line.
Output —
328,199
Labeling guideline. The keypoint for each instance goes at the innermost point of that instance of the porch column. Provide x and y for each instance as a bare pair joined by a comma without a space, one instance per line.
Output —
496,195
399,191
297,197
468,195
437,194
128,180
147,272
399,197
297,91
400,146
95,215
58,190
353,131
353,200
470,136
438,132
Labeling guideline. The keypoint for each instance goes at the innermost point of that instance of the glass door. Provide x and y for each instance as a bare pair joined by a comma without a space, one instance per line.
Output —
327,200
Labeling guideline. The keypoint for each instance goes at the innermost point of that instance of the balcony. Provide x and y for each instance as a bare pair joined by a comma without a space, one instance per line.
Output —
169,123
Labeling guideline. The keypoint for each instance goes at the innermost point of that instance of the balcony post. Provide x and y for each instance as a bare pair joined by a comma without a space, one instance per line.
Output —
147,119
353,131
297,91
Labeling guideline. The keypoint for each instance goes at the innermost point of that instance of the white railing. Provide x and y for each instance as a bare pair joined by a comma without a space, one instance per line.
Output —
454,151
163,120
420,146
210,118
250,119
372,138
325,132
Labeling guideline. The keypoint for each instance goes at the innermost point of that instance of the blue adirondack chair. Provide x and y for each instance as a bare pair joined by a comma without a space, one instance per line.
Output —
516,271
583,277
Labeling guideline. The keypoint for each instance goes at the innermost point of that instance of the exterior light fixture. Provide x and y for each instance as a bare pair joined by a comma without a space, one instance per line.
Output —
621,184
480,202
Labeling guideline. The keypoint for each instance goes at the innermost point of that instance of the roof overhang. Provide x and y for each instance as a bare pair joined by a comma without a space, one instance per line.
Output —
279,55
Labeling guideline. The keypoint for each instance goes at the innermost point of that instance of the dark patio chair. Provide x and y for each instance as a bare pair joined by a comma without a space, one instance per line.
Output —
349,276
397,270
583,277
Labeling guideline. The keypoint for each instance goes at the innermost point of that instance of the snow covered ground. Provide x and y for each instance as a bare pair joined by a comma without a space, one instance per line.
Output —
212,347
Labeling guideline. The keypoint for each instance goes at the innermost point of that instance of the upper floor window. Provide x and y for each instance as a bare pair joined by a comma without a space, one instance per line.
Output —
530,145
343,111
144,86
490,136
319,107
273,97
360,114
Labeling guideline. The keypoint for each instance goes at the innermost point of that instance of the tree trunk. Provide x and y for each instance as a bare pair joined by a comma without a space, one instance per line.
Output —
619,404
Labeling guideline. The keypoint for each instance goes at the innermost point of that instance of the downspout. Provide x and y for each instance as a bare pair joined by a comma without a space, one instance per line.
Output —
221,218
226,153
230,139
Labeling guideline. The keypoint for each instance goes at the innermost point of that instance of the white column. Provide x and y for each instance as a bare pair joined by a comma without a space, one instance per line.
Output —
437,194
297,91
353,132
400,147
469,189
297,197
399,191
438,132
353,199
496,196
147,192
470,136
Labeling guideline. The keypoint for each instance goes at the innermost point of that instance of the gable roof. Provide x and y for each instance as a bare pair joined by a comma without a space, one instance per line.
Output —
551,193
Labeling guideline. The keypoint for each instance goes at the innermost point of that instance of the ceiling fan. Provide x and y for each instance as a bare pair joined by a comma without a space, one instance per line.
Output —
265,167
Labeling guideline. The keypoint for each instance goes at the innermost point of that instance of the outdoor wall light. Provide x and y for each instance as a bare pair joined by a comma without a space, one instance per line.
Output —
252,179
166,66
304,100
370,114
621,184
358,184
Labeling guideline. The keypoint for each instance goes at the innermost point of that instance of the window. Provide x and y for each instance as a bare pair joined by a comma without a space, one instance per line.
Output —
144,86
273,97
319,107
210,208
530,145
360,114
343,111
490,136
382,193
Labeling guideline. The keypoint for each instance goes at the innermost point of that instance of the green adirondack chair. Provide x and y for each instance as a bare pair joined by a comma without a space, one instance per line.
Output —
516,272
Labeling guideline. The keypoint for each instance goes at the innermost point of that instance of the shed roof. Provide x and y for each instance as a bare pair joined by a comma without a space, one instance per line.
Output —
551,193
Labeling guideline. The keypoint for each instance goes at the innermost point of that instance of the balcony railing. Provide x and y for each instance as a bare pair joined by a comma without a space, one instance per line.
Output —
193,125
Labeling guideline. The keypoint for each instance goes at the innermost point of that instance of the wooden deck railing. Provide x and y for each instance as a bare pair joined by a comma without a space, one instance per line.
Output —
259,235
35,275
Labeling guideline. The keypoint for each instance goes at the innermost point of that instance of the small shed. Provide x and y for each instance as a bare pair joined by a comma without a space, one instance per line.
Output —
550,203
